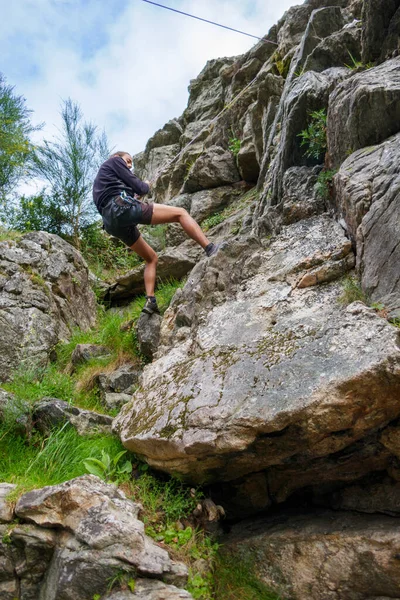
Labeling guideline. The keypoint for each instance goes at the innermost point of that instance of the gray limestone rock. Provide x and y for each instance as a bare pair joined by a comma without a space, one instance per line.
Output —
6,508
268,370
148,334
337,50
114,401
380,29
368,197
215,167
300,198
25,554
52,412
206,203
172,263
364,110
329,555
301,96
84,352
146,589
44,293
100,535
123,379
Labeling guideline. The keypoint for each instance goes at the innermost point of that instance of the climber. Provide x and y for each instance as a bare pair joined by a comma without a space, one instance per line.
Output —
117,195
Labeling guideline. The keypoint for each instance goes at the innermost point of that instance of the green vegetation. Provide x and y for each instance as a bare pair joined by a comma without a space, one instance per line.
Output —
48,460
234,145
282,64
79,387
357,64
352,291
108,468
235,580
15,145
314,137
324,183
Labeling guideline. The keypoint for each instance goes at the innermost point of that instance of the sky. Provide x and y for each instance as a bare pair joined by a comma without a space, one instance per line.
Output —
126,63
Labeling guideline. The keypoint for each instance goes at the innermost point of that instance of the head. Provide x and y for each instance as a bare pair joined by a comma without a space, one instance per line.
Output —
126,157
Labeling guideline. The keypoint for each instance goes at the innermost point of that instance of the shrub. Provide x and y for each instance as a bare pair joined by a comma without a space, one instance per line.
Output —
314,137
324,183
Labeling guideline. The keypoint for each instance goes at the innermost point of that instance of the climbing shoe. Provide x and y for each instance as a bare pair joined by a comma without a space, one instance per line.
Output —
211,249
151,307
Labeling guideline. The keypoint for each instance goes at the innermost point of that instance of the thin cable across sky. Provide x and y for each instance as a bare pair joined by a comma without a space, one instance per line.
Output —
211,22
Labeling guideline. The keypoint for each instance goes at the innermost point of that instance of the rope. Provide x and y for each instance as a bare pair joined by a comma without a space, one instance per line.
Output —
211,22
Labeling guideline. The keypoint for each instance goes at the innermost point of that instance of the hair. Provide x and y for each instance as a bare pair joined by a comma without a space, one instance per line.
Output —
120,153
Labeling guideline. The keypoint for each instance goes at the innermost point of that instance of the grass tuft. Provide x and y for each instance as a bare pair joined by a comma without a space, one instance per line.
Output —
235,579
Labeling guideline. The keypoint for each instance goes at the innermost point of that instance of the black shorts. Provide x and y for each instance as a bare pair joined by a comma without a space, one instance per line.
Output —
122,215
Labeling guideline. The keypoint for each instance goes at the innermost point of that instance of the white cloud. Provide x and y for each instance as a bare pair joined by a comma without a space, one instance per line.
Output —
129,68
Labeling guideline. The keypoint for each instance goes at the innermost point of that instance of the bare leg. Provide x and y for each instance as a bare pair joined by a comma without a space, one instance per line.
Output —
146,252
172,214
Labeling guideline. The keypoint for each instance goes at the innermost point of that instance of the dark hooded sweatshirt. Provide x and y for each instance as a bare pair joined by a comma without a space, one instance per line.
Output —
113,178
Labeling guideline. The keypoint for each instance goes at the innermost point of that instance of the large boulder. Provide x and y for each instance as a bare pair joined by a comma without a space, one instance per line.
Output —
368,198
44,294
329,555
262,369
364,110
99,536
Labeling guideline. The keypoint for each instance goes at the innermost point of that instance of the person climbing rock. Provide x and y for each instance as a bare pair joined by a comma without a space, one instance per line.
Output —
116,194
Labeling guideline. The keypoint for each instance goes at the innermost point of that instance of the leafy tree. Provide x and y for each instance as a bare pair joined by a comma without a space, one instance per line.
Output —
15,131
40,212
69,164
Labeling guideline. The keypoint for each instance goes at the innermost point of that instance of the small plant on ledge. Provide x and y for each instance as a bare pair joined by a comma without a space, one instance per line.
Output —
314,137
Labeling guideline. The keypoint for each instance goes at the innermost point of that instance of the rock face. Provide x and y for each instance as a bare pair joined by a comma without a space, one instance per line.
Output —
44,293
368,195
264,370
364,110
329,555
83,533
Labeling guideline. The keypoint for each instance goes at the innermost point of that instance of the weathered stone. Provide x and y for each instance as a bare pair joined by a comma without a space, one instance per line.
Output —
214,168
44,293
364,110
6,508
171,264
379,24
294,24
150,590
123,379
34,550
114,401
207,202
168,135
106,533
329,555
52,412
85,352
148,334
369,497
301,96
300,199
339,49
323,22
368,197
268,371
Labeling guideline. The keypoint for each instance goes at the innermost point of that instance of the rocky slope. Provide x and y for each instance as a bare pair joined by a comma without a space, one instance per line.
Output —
266,385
